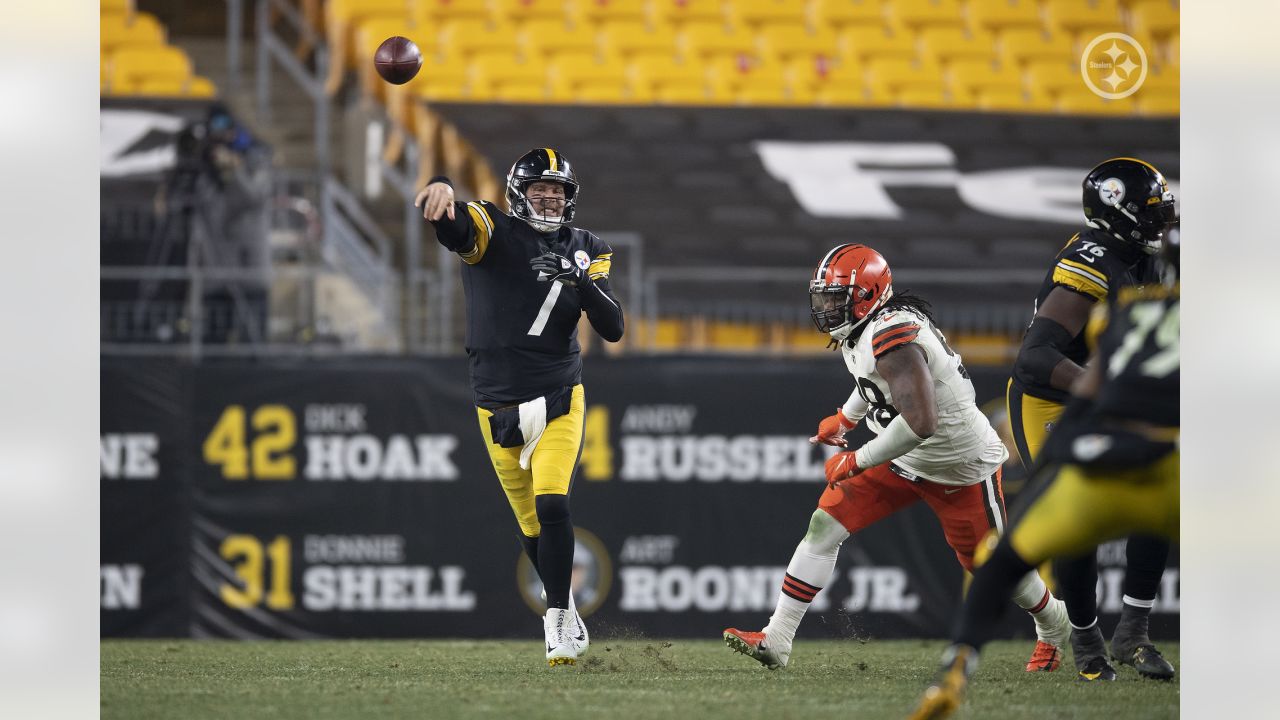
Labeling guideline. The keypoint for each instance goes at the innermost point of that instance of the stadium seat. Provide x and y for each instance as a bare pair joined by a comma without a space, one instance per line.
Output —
468,37
1002,99
115,7
785,42
678,12
748,80
916,14
432,13
628,39
119,30
1166,81
580,78
131,65
1173,50
439,79
822,76
194,86
1086,103
1071,15
947,43
683,91
1019,45
708,39
340,17
1055,76
595,12
864,42
896,74
1002,14
970,76
1162,103
1156,18
665,79
503,77
841,95
545,39
928,97
842,14
516,11
763,13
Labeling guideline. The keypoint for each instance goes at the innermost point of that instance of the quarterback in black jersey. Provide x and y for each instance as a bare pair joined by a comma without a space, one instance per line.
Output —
1129,207
528,277
1111,469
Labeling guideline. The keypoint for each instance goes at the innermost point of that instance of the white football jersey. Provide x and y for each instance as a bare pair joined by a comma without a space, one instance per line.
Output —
965,449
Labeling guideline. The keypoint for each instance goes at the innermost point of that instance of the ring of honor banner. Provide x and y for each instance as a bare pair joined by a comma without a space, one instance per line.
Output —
354,498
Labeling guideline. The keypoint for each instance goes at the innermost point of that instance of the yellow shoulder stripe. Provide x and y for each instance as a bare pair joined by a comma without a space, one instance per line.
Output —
483,225
1072,278
1100,276
599,268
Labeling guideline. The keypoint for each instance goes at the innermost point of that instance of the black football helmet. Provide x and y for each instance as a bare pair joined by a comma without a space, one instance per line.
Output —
542,165
1129,199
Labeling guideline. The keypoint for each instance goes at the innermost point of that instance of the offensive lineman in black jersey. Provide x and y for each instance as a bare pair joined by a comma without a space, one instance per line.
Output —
1129,206
1111,468
528,277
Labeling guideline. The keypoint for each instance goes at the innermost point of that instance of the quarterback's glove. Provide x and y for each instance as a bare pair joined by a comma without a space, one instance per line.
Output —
841,466
831,430
551,266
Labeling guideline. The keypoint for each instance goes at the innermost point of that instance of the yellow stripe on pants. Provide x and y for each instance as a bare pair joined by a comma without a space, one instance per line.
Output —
550,468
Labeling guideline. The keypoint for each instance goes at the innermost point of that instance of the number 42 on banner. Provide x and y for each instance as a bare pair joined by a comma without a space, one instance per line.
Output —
277,431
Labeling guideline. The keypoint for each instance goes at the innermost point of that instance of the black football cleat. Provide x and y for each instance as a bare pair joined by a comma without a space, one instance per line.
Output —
1146,659
1096,669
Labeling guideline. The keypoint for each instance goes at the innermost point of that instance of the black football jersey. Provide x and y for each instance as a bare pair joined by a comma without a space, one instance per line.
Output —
1138,350
1093,264
522,333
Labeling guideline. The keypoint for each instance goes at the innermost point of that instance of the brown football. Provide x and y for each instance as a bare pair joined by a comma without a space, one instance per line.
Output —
397,60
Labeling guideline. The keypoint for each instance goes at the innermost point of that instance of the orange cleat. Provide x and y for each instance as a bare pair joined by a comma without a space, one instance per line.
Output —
754,646
1045,658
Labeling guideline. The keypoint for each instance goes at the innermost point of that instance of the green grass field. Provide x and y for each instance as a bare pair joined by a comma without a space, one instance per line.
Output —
618,680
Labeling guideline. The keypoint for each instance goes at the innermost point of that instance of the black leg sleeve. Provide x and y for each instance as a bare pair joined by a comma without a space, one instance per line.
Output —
988,597
555,548
1078,587
1146,555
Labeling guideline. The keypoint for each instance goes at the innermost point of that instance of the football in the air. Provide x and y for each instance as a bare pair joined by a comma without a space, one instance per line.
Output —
397,60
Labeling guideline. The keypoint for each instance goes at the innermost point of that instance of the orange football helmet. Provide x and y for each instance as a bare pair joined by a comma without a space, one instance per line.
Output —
850,284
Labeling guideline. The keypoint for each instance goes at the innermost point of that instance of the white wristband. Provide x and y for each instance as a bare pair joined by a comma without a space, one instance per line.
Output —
897,439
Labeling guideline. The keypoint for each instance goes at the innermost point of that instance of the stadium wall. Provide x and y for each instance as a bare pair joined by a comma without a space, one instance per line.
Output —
353,498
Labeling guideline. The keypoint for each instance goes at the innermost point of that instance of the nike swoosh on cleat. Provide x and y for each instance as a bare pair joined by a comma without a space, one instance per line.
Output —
581,637
549,648
1091,676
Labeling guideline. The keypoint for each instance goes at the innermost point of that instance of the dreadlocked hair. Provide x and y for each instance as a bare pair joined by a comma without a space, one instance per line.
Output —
906,301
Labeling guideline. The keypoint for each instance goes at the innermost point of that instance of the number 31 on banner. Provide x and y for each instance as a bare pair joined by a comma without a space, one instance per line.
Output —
277,431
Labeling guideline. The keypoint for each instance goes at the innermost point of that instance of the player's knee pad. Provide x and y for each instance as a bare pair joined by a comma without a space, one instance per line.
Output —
825,532
551,508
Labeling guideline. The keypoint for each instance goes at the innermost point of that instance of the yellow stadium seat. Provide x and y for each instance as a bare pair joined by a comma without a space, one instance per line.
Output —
865,42
948,43
680,91
626,38
737,74
574,78
340,17
925,13
117,7
1166,81
678,12
103,73
592,12
1154,17
468,37
1173,50
1020,45
930,97
973,75
548,38
1070,15
432,13
762,13
1055,77
896,74
1158,103
439,79
506,11
1086,103
703,39
840,14
119,30
131,65
663,79
1001,14
371,32
841,96
785,42
816,73
503,77
1002,99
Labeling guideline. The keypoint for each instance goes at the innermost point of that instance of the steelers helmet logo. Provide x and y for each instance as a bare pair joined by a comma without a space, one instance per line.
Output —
590,582
1111,191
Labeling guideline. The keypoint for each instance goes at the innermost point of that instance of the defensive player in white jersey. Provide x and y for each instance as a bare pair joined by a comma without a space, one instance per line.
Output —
932,444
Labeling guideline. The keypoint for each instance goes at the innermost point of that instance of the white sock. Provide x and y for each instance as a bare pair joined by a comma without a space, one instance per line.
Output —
810,568
1049,613
1031,594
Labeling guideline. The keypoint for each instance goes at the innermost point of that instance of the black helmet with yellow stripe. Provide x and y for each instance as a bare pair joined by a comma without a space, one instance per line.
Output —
1129,199
542,165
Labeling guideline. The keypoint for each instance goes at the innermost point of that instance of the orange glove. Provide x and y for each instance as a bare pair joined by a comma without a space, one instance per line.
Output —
831,430
841,466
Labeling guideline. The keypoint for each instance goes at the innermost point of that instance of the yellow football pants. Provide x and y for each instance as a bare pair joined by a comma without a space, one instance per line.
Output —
1030,420
1082,507
550,468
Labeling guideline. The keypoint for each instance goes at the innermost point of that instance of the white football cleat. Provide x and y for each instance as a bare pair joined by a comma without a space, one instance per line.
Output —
581,638
559,628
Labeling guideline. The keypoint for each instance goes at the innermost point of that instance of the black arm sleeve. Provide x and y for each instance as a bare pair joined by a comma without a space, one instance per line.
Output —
603,309
1042,350
455,235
